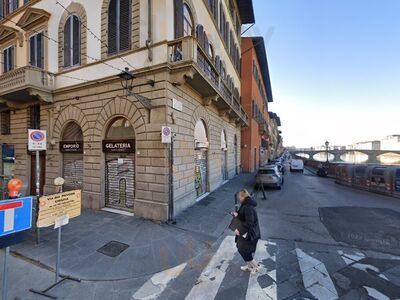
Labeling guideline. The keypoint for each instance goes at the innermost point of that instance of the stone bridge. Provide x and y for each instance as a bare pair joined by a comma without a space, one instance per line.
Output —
372,156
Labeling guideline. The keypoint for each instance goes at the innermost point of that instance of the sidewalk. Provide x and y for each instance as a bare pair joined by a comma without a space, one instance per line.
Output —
151,247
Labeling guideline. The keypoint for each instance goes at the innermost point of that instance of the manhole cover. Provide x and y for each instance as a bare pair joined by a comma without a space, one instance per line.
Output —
113,248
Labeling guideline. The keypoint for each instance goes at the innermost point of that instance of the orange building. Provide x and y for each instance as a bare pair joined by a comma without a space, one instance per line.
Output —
256,94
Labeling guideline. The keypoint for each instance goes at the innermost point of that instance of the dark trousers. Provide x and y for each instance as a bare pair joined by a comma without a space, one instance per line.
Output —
247,256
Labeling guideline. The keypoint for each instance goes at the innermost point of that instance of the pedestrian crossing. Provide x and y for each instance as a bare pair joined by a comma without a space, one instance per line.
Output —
286,272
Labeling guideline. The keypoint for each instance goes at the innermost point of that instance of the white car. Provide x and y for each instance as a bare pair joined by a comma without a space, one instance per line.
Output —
297,165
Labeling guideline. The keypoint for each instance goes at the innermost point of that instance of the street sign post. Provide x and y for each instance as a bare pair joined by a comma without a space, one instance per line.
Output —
15,216
37,142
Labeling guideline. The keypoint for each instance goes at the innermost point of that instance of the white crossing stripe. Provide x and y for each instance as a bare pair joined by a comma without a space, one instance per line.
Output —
254,290
154,287
212,276
315,277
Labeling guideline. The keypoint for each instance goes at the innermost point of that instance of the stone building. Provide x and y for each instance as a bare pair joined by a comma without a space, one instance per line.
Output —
256,95
103,77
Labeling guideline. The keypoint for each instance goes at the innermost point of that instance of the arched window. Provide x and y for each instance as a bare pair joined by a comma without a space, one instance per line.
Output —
119,26
72,41
188,27
120,128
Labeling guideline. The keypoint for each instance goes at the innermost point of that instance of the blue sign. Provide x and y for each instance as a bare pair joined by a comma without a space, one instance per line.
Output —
15,215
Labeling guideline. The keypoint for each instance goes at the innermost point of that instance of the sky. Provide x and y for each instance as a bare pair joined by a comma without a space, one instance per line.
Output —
334,67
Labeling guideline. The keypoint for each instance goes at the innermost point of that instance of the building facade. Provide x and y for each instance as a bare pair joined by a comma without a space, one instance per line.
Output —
103,77
256,94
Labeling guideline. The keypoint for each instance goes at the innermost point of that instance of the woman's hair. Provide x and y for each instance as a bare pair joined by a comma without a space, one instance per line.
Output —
244,193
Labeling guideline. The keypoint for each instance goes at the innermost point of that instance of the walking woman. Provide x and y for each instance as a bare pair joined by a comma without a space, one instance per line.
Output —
246,242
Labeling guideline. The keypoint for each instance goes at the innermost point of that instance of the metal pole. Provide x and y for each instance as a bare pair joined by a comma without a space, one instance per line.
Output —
37,193
58,254
5,273
171,183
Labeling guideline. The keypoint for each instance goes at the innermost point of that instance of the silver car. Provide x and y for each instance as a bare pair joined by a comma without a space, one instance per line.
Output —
269,176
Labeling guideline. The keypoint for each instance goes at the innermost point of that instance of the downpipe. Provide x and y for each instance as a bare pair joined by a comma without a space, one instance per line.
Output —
149,41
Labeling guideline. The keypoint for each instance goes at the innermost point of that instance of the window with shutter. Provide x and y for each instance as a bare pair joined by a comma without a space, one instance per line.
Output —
36,47
5,122
187,21
119,26
34,117
72,41
8,59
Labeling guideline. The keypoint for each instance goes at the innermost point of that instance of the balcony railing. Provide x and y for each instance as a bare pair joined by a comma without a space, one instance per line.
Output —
187,50
25,78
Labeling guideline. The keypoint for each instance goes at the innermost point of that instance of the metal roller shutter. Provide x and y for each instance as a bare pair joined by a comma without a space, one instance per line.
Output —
200,160
120,180
73,171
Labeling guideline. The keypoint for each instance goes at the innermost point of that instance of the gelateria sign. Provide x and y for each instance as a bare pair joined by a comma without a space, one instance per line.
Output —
119,146
76,147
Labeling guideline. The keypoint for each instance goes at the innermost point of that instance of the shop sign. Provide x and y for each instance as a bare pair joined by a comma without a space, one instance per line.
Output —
119,146
52,208
75,147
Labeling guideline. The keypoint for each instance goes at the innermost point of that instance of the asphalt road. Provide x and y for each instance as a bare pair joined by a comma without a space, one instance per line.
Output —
319,241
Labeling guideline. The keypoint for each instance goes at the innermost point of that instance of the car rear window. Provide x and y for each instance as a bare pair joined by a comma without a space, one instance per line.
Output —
266,171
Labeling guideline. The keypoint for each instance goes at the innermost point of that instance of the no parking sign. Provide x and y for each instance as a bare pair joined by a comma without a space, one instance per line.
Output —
36,140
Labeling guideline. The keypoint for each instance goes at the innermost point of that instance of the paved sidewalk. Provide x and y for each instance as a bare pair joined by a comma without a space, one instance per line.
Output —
152,247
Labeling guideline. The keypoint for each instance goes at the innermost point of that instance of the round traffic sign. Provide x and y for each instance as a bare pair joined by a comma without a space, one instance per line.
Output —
37,136
166,131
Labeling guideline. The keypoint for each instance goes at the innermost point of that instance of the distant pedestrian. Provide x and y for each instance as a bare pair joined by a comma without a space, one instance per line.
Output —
246,241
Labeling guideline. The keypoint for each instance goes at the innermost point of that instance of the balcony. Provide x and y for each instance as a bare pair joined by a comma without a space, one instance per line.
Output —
187,58
26,84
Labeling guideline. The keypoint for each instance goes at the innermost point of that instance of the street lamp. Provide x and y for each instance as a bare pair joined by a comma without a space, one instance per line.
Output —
326,149
126,79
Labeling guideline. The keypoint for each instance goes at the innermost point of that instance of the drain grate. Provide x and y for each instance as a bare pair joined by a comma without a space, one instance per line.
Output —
113,248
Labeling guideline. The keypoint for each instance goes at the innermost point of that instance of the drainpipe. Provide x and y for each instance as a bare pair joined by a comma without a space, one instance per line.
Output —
149,40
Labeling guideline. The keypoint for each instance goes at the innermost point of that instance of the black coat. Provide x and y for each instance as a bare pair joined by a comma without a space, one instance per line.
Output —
248,216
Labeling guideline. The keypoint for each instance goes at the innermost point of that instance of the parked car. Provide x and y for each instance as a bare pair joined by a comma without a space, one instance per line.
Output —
269,176
297,165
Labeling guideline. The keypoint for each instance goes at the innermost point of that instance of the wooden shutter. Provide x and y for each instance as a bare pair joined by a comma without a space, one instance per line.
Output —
32,59
178,17
76,45
200,35
218,64
11,58
216,10
124,25
40,50
67,43
206,45
112,27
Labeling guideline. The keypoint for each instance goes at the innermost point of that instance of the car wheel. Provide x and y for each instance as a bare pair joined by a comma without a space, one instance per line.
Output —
279,187
256,186
283,181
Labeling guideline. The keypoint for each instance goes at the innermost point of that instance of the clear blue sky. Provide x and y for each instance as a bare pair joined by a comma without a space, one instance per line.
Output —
335,68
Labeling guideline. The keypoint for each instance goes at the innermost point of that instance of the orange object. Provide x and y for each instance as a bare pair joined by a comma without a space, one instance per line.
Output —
14,185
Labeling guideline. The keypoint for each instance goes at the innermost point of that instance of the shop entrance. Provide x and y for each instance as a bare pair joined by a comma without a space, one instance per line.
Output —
224,157
200,158
119,150
71,148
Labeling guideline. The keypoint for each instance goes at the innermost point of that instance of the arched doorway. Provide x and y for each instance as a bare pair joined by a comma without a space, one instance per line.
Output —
201,145
224,156
119,149
71,147
235,153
